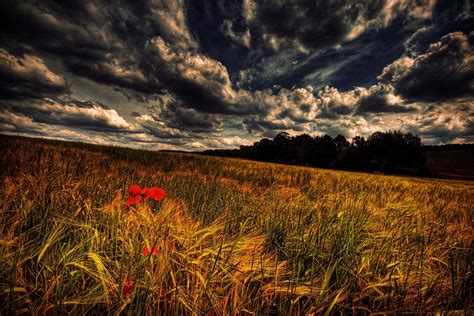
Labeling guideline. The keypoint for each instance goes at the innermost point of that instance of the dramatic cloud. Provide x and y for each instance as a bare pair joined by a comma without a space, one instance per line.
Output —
164,74
15,123
180,119
27,76
170,18
78,114
158,128
444,71
242,38
447,123
316,24
379,98
200,81
114,72
286,110
99,42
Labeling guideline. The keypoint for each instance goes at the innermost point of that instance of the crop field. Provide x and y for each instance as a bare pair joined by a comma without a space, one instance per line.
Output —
224,236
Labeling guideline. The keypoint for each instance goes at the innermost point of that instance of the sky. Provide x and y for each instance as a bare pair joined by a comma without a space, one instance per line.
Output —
195,75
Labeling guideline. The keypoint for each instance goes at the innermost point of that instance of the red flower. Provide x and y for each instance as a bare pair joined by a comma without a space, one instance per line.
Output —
151,249
154,193
134,189
133,200
128,287
135,197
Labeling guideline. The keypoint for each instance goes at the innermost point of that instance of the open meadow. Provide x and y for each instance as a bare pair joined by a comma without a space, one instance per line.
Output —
229,237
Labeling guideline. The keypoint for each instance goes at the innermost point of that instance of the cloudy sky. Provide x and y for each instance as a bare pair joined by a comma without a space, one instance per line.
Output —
192,75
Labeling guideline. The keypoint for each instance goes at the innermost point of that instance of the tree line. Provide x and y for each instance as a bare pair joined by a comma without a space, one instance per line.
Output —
388,152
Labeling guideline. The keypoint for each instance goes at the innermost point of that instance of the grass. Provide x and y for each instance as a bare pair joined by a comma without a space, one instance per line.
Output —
234,236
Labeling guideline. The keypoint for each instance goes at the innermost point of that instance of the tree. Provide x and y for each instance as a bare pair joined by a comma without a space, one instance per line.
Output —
341,143
266,150
324,151
281,143
392,151
396,151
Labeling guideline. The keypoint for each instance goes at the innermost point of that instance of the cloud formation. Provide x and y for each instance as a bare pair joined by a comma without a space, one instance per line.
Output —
73,113
200,81
450,123
28,76
317,24
189,75
445,71
243,38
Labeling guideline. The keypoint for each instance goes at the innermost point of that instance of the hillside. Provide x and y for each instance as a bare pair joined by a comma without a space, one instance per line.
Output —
230,236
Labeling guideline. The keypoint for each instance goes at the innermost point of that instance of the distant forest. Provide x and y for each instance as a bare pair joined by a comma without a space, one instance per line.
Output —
387,152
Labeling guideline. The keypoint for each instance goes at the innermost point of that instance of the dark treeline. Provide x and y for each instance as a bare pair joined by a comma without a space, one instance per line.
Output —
388,152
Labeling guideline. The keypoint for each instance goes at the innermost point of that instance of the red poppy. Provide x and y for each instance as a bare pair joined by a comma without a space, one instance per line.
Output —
154,193
134,189
133,200
151,249
128,287
135,197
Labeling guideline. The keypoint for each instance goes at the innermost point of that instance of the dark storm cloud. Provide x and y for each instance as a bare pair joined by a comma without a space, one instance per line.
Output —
181,119
286,109
27,76
377,101
202,82
313,24
101,42
78,32
199,82
112,72
379,98
317,24
448,17
172,136
18,123
242,38
445,71
84,115
263,125
191,120
14,123
446,123
170,120
145,47
334,103
188,129
197,75
355,57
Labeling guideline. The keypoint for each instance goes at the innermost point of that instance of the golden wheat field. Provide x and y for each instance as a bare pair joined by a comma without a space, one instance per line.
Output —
230,236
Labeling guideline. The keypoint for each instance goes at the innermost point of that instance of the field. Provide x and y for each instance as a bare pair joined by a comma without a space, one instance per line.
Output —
230,236
454,164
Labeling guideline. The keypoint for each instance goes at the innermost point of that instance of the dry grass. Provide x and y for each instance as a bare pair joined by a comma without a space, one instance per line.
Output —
234,237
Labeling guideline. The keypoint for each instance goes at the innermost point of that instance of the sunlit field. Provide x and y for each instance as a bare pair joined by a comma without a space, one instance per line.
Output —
229,237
